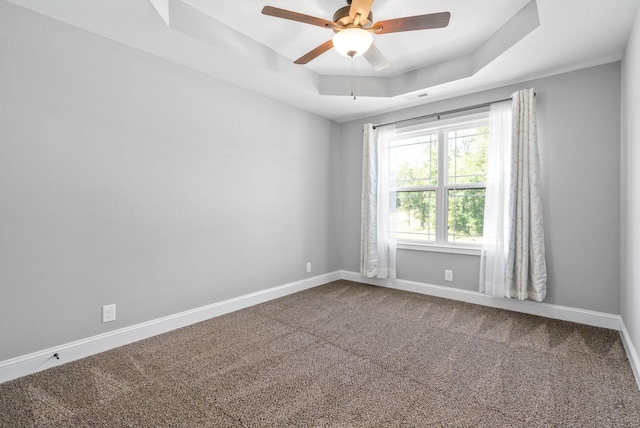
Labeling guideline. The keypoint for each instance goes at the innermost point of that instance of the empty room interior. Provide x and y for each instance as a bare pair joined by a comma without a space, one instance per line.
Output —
185,226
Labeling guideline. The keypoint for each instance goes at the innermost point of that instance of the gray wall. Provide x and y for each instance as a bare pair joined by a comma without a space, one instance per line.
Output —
130,180
579,137
630,179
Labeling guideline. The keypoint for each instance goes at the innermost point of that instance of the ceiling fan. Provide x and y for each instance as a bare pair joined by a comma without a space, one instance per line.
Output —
353,26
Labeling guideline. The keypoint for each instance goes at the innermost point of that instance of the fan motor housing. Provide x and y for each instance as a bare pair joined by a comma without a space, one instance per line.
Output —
342,17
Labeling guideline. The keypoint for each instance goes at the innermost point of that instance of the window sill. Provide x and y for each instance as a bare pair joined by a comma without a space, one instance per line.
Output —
440,248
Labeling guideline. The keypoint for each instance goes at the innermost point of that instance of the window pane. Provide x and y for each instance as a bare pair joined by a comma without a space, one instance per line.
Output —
466,215
415,216
414,161
467,157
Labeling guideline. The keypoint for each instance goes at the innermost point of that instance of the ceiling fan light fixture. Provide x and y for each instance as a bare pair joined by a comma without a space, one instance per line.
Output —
352,42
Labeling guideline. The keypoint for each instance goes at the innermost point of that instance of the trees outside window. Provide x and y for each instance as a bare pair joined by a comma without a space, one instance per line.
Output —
438,176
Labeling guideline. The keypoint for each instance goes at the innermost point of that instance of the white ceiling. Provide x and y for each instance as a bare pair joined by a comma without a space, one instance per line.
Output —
488,43
405,51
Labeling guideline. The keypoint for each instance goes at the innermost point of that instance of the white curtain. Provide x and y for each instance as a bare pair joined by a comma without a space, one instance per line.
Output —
378,244
495,230
526,267
513,207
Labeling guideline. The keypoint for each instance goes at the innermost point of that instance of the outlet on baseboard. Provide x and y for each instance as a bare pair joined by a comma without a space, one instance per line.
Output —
448,275
108,313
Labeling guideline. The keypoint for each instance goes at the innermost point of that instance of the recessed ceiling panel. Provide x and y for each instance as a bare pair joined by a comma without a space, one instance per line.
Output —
471,23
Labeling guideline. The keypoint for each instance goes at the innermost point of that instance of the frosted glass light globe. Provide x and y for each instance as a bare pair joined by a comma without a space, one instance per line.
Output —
352,41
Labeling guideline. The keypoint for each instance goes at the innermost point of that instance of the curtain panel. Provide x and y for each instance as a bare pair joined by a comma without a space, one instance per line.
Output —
496,225
513,255
377,242
526,266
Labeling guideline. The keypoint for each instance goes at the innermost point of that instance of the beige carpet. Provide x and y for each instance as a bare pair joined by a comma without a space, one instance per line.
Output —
344,355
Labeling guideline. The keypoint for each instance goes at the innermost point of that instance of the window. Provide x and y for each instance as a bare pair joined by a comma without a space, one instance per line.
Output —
438,174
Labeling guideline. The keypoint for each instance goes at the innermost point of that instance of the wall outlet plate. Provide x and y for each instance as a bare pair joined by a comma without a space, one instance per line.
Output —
108,313
448,275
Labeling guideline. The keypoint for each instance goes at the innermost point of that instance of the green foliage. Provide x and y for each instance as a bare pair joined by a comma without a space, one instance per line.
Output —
467,158
466,213
466,164
418,205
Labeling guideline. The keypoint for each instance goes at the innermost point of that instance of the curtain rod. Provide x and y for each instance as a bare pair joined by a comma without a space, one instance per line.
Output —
458,110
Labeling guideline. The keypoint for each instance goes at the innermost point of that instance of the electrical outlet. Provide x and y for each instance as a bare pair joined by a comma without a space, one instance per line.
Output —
308,267
108,313
448,275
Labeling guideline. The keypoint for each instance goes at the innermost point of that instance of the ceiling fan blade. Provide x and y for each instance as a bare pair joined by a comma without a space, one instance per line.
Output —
376,59
299,17
362,7
411,23
315,52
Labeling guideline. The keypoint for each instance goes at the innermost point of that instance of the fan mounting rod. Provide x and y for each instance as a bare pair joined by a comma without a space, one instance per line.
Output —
343,19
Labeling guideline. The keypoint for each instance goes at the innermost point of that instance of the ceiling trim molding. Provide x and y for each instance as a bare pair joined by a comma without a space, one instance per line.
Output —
162,6
239,57
567,36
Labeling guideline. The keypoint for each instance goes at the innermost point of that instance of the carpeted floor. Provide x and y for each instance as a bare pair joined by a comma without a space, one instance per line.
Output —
344,355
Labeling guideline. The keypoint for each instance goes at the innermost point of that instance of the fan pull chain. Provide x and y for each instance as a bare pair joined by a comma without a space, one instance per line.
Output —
353,76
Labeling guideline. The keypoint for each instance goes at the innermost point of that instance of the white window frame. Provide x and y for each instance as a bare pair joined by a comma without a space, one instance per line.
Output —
442,127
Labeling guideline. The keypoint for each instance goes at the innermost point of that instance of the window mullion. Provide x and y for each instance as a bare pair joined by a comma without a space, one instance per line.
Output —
441,196
480,185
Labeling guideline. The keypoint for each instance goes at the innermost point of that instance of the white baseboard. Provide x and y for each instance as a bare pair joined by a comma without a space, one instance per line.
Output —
632,354
44,359
582,316
41,360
